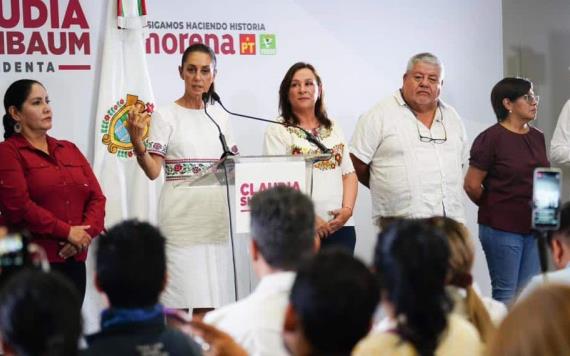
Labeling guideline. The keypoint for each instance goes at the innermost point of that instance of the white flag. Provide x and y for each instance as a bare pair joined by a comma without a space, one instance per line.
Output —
125,82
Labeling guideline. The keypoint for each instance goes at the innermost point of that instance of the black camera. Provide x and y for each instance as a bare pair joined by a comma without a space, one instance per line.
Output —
16,253
13,251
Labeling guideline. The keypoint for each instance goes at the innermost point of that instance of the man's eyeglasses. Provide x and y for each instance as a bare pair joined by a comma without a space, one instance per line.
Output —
531,98
429,139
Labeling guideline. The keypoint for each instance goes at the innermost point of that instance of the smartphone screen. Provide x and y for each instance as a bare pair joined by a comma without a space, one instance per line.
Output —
546,198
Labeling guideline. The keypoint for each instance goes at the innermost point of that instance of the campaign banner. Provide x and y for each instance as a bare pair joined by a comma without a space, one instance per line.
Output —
254,177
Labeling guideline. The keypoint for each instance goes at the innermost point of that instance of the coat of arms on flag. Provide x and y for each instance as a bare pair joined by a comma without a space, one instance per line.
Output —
114,125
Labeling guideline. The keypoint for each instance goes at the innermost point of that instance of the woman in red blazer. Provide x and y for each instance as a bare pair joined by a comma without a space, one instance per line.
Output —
46,185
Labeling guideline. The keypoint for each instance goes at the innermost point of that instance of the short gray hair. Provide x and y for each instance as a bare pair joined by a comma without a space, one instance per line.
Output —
283,226
426,57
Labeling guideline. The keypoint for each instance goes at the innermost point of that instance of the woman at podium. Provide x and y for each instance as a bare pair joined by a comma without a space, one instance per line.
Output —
335,184
192,216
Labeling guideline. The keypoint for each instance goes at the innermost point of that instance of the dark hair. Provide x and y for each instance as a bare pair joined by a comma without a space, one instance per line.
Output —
411,261
508,88
202,48
131,264
564,229
335,296
285,108
40,314
15,95
283,226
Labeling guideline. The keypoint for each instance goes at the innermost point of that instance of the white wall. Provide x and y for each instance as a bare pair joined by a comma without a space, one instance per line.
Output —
537,46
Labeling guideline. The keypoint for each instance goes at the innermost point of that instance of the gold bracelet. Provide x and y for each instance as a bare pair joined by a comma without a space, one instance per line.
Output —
348,207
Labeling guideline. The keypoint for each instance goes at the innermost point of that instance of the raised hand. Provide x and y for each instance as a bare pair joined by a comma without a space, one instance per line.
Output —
136,126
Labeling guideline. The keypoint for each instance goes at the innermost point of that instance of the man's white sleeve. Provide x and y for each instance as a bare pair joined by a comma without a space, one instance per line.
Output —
367,136
560,143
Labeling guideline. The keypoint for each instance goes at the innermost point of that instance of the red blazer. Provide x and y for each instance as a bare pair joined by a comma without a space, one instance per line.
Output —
47,194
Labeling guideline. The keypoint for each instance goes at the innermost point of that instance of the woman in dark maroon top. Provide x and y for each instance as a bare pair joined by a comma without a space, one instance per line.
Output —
46,185
499,181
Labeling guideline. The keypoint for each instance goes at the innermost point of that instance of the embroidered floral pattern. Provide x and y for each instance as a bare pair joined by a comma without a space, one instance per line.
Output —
180,169
157,148
329,164
320,132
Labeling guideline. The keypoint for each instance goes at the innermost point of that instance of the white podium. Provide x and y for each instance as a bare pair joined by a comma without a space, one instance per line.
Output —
242,177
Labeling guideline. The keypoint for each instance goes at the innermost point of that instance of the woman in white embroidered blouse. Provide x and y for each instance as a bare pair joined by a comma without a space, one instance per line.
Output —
335,184
193,218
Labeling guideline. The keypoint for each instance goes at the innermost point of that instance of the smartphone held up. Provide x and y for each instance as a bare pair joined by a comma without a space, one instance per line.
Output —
546,196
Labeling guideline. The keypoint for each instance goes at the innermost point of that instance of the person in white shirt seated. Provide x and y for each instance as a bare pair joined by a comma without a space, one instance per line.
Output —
282,236
559,242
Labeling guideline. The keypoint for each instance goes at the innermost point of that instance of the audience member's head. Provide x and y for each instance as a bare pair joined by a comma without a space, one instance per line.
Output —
40,314
462,256
131,264
461,248
560,239
537,325
331,305
411,262
282,228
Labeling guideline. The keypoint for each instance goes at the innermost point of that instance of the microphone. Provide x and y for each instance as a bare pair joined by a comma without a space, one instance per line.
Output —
227,151
308,136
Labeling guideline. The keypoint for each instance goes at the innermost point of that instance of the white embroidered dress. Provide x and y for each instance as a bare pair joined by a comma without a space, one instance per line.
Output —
327,187
193,218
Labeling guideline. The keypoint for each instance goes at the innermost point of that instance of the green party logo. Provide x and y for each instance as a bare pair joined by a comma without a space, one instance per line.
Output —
267,44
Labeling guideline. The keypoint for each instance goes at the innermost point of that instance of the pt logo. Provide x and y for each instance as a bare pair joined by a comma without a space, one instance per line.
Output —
114,125
247,44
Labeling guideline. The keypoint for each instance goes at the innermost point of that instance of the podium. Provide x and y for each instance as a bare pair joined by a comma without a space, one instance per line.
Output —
241,177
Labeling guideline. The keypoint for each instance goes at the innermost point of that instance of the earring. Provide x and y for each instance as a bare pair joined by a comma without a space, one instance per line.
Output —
17,127
510,111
